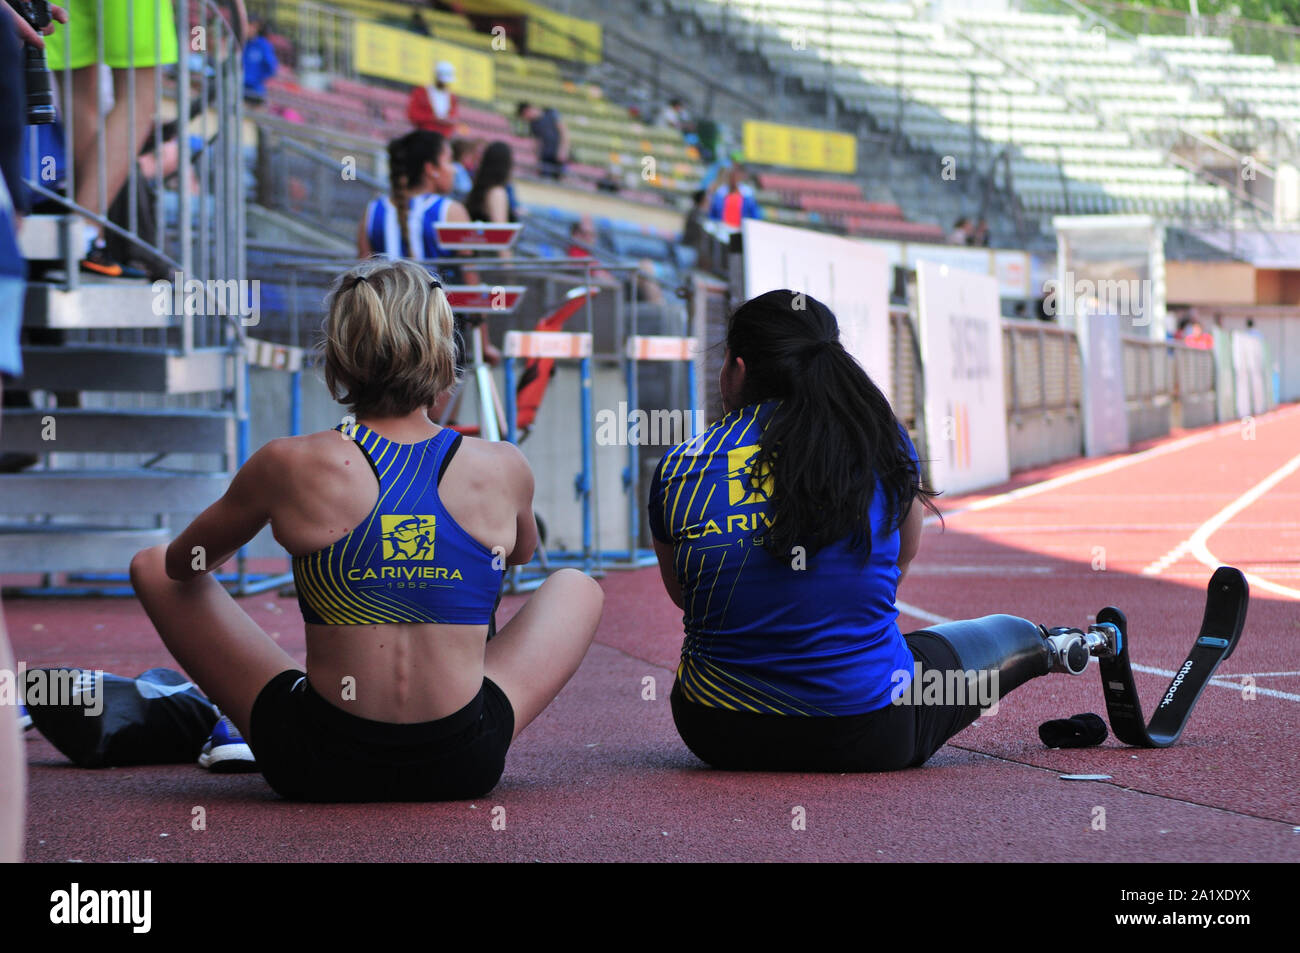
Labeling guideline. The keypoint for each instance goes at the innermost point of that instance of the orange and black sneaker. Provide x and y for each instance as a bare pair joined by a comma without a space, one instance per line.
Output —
99,262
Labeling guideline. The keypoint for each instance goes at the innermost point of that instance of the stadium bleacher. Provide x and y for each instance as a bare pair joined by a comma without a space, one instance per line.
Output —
1044,86
609,145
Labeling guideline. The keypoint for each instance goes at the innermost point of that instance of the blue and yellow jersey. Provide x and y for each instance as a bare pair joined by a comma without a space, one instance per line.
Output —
803,635
408,560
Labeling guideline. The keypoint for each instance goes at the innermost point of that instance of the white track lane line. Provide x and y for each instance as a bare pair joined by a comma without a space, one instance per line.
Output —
1219,681
1109,466
1197,544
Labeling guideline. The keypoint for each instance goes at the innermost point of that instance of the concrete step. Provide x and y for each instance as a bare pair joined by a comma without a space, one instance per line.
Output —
139,430
117,303
101,492
122,368
71,548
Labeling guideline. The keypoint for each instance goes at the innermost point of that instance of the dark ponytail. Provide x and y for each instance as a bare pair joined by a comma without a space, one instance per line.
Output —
407,156
832,436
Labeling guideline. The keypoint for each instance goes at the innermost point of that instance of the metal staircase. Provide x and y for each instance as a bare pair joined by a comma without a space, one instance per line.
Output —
132,416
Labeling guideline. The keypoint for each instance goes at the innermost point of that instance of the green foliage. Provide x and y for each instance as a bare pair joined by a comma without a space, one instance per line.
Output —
1283,12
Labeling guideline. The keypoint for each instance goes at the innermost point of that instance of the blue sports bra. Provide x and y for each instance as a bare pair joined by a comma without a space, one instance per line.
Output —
408,560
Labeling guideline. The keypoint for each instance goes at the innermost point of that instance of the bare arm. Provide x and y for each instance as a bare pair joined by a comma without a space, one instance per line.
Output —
456,212
909,537
497,204
218,532
666,554
363,240
564,141
526,535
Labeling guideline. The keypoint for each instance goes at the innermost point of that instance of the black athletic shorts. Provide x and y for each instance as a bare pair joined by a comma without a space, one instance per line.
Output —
310,750
890,738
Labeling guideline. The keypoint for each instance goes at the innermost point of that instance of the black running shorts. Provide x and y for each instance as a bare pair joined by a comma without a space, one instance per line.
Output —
310,750
890,738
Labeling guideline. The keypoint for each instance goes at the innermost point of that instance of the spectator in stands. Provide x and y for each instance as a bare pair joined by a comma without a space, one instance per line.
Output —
582,235
401,224
466,154
582,241
646,283
734,201
979,234
961,232
418,25
260,63
1191,333
434,108
546,126
675,116
693,226
492,198
139,33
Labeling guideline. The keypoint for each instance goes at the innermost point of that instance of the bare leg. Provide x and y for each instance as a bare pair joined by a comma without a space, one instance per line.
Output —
538,650
13,767
224,651
121,142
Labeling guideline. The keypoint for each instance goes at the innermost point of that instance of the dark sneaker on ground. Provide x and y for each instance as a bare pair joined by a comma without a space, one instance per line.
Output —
226,752
98,262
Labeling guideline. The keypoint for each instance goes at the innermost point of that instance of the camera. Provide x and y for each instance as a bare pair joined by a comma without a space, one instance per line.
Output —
40,92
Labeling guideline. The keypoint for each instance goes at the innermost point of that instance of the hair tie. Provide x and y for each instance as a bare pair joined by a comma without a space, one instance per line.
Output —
820,347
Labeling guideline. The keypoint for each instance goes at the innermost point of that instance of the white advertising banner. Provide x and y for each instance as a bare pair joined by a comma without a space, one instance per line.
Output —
1105,417
851,278
1250,376
965,401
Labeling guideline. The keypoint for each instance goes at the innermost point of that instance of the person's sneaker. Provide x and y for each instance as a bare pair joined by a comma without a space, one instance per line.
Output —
99,262
225,751
24,718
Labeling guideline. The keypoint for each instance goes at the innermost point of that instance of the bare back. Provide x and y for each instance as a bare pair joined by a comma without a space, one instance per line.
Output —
397,673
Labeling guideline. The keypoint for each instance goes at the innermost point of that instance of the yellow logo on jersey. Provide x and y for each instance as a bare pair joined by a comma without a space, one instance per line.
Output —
408,537
741,491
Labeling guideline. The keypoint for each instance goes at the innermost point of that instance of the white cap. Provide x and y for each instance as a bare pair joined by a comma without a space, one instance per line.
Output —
446,73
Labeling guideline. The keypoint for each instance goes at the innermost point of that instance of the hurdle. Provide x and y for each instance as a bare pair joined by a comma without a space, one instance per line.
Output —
653,347
559,346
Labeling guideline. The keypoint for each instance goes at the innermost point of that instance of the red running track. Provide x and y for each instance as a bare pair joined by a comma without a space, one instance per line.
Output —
602,775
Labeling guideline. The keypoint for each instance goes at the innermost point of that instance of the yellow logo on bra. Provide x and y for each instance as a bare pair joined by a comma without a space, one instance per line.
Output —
741,490
408,537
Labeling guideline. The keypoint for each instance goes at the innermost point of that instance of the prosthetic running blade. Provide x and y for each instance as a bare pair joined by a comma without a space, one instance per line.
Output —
1225,614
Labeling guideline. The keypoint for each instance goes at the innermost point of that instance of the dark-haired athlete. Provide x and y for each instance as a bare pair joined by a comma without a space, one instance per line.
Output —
783,532
403,697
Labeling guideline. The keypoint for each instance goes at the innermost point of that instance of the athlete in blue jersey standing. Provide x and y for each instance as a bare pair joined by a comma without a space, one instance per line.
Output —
400,533
402,224
783,532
